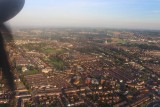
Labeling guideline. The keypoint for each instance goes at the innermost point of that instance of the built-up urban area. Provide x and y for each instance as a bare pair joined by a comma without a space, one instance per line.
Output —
83,67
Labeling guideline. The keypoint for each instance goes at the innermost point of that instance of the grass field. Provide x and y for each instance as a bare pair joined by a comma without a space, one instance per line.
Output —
57,62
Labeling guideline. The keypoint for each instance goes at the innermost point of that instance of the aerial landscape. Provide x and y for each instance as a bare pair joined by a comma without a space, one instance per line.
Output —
80,53
88,67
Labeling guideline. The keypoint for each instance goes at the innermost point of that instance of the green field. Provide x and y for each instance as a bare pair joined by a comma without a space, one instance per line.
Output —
42,47
31,72
57,62
52,51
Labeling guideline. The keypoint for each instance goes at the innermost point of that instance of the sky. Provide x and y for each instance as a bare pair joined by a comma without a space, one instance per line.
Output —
137,14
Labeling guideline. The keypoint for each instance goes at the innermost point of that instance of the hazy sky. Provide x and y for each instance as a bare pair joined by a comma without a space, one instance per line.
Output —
90,13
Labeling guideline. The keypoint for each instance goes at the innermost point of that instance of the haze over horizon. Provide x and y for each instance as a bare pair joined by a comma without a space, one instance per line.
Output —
137,14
